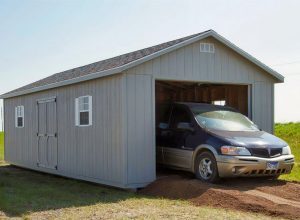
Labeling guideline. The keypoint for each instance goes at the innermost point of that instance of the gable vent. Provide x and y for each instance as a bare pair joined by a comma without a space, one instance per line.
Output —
207,48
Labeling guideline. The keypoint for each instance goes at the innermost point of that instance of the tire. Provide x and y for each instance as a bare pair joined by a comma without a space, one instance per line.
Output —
206,168
275,177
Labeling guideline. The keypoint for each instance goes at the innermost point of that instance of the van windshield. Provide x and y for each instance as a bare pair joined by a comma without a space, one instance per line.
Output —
224,120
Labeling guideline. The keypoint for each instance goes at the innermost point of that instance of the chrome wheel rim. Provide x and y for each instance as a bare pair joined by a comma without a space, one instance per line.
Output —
205,168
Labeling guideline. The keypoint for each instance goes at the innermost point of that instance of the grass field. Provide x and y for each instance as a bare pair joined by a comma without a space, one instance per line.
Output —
28,194
291,134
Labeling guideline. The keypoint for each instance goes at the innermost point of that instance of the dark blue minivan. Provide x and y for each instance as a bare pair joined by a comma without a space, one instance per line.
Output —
217,141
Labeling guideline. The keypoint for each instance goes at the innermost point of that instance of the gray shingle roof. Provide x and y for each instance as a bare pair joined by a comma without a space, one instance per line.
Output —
102,65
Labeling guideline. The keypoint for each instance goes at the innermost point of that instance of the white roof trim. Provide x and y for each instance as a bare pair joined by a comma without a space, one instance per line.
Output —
147,58
248,56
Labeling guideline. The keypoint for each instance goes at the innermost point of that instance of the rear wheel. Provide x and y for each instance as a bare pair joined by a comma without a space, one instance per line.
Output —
206,167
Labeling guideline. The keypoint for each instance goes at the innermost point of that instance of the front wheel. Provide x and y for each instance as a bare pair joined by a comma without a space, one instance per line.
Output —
206,167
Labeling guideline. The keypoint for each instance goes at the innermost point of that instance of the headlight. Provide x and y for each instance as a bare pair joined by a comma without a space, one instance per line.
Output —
286,150
231,150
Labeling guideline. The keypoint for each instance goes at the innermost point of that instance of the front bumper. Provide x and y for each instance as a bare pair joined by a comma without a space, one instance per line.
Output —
231,166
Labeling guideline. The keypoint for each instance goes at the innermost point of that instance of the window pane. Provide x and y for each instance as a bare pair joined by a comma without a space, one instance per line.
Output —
20,122
206,47
85,99
84,118
163,113
21,111
84,107
219,102
211,48
179,114
80,101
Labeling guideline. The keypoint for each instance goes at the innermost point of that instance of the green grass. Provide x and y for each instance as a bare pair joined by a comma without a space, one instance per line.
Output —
290,132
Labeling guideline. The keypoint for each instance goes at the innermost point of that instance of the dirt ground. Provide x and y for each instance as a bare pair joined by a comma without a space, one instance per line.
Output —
270,197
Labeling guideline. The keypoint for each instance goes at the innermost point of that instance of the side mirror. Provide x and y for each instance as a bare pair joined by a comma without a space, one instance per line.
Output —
185,126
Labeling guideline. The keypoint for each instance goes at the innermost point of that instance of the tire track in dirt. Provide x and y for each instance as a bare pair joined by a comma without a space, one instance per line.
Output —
274,198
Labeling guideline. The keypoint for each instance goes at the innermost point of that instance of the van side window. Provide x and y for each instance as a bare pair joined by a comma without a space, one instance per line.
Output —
179,114
163,116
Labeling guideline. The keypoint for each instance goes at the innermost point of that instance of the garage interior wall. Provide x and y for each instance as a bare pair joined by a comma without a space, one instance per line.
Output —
235,96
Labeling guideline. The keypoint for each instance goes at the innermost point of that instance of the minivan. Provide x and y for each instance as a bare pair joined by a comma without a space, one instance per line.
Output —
216,142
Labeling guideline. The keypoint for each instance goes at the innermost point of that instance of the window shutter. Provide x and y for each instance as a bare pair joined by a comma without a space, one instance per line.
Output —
90,110
76,112
16,117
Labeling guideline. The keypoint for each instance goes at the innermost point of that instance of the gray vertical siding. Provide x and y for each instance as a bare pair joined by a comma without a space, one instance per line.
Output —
140,129
93,153
223,66
263,105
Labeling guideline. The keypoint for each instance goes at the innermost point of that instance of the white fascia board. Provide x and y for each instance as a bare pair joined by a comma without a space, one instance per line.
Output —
147,58
243,53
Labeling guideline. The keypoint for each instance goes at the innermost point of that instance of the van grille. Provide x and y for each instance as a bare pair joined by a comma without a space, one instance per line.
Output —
266,172
266,152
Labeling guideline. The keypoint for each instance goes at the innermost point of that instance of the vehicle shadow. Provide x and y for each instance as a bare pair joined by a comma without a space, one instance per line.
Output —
24,191
239,183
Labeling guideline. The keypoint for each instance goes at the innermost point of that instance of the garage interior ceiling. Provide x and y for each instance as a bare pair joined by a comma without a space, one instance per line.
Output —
235,96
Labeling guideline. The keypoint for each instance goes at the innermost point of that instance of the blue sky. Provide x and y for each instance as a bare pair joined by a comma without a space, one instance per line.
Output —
42,37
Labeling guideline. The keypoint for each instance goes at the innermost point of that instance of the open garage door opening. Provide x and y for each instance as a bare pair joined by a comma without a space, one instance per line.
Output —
177,153
235,96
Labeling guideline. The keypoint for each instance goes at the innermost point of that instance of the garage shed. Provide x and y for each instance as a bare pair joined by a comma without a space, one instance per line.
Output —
97,122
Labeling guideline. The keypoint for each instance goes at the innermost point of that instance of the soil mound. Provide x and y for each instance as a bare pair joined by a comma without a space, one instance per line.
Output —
270,197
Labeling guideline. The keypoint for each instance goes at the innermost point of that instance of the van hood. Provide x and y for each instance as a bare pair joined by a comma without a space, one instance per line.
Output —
251,139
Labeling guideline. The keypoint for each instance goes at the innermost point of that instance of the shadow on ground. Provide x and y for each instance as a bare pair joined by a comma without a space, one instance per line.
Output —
23,191
241,183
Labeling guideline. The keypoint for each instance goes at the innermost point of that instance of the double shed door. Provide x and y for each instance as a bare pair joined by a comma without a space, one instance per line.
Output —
47,133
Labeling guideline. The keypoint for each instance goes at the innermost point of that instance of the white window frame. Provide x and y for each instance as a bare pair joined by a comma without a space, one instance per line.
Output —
19,113
207,48
78,110
219,102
